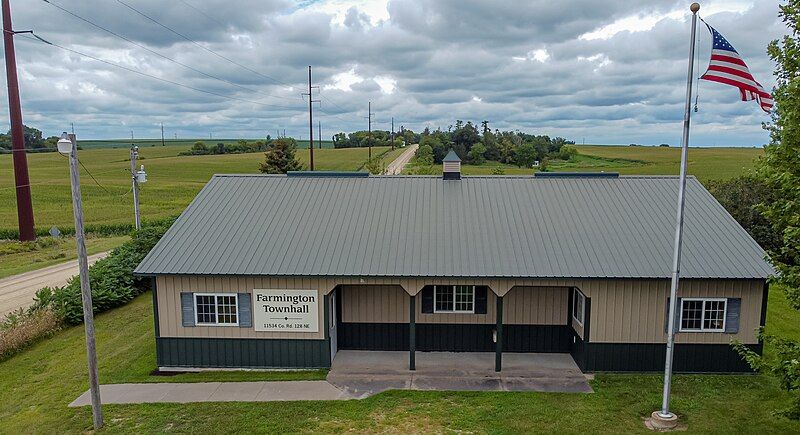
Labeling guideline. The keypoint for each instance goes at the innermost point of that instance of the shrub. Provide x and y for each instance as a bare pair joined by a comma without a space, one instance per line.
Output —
375,166
567,152
111,278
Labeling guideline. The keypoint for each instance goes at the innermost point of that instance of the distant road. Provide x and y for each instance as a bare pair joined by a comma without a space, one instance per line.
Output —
397,166
17,291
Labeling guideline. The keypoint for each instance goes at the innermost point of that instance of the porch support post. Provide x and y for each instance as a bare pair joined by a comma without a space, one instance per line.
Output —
412,334
498,349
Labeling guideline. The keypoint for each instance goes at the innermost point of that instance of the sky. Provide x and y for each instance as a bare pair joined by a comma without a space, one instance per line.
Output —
593,71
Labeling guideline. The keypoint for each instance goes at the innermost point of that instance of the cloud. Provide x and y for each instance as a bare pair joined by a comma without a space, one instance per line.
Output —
606,70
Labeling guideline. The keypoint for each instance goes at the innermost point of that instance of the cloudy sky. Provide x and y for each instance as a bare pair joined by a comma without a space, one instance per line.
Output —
603,71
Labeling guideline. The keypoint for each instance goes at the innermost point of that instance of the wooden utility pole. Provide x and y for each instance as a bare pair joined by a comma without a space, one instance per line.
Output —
135,187
86,291
369,127
319,133
21,178
311,101
162,134
392,133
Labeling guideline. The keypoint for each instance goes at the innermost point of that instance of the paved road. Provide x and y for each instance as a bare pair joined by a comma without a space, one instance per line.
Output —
397,166
17,291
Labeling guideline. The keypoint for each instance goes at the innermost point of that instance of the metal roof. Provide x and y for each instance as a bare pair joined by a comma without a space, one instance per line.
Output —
486,226
451,157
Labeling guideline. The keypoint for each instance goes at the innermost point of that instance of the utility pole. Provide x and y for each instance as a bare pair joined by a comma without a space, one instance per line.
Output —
21,179
162,134
319,134
392,133
403,133
68,145
135,187
131,135
369,127
72,126
311,101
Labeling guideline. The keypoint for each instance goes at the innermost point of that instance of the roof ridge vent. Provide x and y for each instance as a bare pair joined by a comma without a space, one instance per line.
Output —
576,174
451,166
328,174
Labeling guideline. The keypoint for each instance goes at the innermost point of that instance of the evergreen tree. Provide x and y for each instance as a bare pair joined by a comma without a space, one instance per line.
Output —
279,157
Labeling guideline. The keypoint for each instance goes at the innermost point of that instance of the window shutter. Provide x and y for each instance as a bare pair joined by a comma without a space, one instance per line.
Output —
481,299
187,309
245,311
677,316
427,299
732,310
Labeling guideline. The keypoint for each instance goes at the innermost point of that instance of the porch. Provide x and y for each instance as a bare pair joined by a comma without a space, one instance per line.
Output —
363,373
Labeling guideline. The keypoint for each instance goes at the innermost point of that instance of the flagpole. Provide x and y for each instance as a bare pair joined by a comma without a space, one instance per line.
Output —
665,414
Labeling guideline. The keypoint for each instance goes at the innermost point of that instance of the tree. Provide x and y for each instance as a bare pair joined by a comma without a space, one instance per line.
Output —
279,157
780,170
567,152
525,155
424,154
476,154
741,197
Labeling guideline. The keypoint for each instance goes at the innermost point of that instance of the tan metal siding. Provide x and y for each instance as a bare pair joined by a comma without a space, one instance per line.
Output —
536,306
460,318
169,305
374,304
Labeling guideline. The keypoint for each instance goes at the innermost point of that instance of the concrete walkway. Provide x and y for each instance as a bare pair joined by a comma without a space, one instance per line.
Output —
397,166
364,373
17,291
215,392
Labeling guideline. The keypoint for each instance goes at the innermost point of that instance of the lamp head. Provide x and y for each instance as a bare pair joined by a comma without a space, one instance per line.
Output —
64,144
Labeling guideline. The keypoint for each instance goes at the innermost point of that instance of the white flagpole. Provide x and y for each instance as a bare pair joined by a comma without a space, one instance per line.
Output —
676,262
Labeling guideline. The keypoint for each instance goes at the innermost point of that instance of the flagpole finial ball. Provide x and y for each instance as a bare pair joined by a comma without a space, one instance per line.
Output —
694,7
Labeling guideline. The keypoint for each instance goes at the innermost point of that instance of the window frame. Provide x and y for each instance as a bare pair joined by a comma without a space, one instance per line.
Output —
453,293
703,315
575,294
216,308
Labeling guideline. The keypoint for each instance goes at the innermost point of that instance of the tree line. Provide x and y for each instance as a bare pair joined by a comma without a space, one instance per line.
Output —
34,140
375,138
477,145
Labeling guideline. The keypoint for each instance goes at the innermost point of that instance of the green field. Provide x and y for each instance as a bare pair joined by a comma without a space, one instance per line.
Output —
705,163
172,181
39,382
16,257
185,143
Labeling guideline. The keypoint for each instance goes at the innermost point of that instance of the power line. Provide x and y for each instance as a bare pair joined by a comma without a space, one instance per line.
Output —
203,13
144,47
153,76
200,45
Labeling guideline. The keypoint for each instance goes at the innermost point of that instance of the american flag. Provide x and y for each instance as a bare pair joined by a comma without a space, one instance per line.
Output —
727,67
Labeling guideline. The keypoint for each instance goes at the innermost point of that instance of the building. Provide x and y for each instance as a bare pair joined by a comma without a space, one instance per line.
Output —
281,271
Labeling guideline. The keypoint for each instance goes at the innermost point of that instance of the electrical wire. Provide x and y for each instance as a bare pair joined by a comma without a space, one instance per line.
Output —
144,47
37,37
203,13
201,45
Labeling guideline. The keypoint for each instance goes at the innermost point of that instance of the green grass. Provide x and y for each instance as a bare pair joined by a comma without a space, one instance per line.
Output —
40,381
19,257
172,181
705,163
186,143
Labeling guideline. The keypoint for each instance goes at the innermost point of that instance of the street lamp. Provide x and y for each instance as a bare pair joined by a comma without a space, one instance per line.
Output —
67,145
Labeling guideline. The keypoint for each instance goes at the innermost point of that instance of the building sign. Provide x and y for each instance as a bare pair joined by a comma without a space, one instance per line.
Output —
286,310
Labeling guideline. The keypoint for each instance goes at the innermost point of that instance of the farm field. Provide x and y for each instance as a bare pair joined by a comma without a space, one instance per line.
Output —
16,257
186,143
126,352
172,181
704,163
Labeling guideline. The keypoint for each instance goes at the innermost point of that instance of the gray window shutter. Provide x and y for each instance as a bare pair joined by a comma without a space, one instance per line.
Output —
733,308
187,309
481,299
245,311
427,299
677,316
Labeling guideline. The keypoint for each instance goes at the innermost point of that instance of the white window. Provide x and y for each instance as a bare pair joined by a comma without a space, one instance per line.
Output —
216,309
454,298
705,315
578,304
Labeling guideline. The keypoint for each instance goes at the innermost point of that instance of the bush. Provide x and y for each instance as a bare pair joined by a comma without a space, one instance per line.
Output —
21,328
567,152
375,166
111,278
477,154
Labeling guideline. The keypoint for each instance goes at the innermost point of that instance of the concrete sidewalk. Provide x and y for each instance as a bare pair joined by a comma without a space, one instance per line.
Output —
215,392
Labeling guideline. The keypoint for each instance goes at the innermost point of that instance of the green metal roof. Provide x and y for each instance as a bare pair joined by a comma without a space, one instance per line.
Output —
488,226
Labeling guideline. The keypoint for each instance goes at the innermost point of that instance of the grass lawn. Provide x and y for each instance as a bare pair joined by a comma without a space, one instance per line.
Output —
39,382
172,181
17,257
705,163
